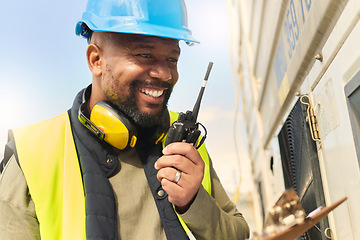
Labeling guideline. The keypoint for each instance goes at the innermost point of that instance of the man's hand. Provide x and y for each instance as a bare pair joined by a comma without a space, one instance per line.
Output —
183,157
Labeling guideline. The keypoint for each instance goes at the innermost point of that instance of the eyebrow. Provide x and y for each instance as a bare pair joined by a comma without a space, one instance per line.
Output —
143,45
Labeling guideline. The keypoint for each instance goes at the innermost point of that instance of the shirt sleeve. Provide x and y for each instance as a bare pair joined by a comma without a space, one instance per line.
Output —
215,216
17,211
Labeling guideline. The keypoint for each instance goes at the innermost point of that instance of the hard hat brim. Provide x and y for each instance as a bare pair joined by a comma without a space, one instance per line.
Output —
132,26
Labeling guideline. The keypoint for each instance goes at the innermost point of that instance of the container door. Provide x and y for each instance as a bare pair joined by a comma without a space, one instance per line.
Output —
301,166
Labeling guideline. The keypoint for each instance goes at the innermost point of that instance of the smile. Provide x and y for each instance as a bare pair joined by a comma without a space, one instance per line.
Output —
152,93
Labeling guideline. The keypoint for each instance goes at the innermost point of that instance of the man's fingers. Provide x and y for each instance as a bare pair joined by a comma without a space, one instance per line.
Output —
169,173
185,149
177,162
181,156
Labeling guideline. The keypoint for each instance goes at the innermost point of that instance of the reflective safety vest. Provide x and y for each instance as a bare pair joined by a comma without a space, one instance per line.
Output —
52,172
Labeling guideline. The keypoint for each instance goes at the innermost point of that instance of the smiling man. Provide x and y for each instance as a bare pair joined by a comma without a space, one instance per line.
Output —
100,170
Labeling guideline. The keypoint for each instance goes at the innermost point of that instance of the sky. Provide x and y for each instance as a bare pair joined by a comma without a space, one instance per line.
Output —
43,66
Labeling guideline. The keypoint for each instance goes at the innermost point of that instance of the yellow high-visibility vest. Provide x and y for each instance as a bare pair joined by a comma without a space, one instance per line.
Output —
52,172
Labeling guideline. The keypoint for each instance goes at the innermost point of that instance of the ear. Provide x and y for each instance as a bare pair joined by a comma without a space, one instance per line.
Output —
93,56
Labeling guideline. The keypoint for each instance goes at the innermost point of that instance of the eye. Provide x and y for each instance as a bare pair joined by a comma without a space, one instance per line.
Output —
144,55
173,60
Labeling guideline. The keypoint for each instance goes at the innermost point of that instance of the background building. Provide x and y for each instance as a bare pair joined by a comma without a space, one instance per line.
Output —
292,58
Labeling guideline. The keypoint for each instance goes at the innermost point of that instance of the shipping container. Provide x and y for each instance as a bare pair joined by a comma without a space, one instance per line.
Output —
297,63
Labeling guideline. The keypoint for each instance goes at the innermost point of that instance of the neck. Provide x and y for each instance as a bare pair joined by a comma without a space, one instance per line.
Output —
97,94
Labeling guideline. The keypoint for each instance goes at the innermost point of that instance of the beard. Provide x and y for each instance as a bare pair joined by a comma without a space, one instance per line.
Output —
144,120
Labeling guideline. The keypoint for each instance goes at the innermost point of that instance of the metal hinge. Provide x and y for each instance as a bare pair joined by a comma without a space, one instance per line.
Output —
311,119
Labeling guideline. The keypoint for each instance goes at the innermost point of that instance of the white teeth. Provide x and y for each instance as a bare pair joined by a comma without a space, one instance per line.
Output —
154,94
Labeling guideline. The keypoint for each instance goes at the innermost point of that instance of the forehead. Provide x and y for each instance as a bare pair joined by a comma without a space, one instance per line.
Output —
136,41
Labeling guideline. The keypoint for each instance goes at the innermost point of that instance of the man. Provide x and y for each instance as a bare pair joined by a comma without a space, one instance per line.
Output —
100,171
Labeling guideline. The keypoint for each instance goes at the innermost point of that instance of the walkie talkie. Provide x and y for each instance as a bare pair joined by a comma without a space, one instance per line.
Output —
186,129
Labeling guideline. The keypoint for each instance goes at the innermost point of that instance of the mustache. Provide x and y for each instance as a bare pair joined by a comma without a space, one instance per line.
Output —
153,83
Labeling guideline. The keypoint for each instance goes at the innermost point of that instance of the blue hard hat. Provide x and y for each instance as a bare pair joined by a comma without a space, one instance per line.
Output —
162,18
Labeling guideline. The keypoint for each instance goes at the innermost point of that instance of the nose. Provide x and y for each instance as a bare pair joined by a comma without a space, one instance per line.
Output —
161,70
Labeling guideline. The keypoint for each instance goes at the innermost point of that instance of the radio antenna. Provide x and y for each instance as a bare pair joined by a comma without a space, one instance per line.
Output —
198,101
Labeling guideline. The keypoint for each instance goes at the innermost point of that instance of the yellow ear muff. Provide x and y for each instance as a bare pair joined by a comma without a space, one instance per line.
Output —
118,131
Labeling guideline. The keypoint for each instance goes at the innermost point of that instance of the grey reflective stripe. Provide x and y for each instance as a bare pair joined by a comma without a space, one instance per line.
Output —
191,236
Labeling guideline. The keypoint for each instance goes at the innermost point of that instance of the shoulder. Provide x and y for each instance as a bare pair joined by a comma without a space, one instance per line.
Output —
18,216
14,190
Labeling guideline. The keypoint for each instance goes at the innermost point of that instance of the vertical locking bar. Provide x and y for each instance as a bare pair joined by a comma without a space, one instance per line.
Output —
311,119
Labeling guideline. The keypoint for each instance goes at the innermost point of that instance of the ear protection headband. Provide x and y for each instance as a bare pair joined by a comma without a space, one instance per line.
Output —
112,126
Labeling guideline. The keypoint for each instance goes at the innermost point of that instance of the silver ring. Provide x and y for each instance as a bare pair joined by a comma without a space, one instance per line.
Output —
177,176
